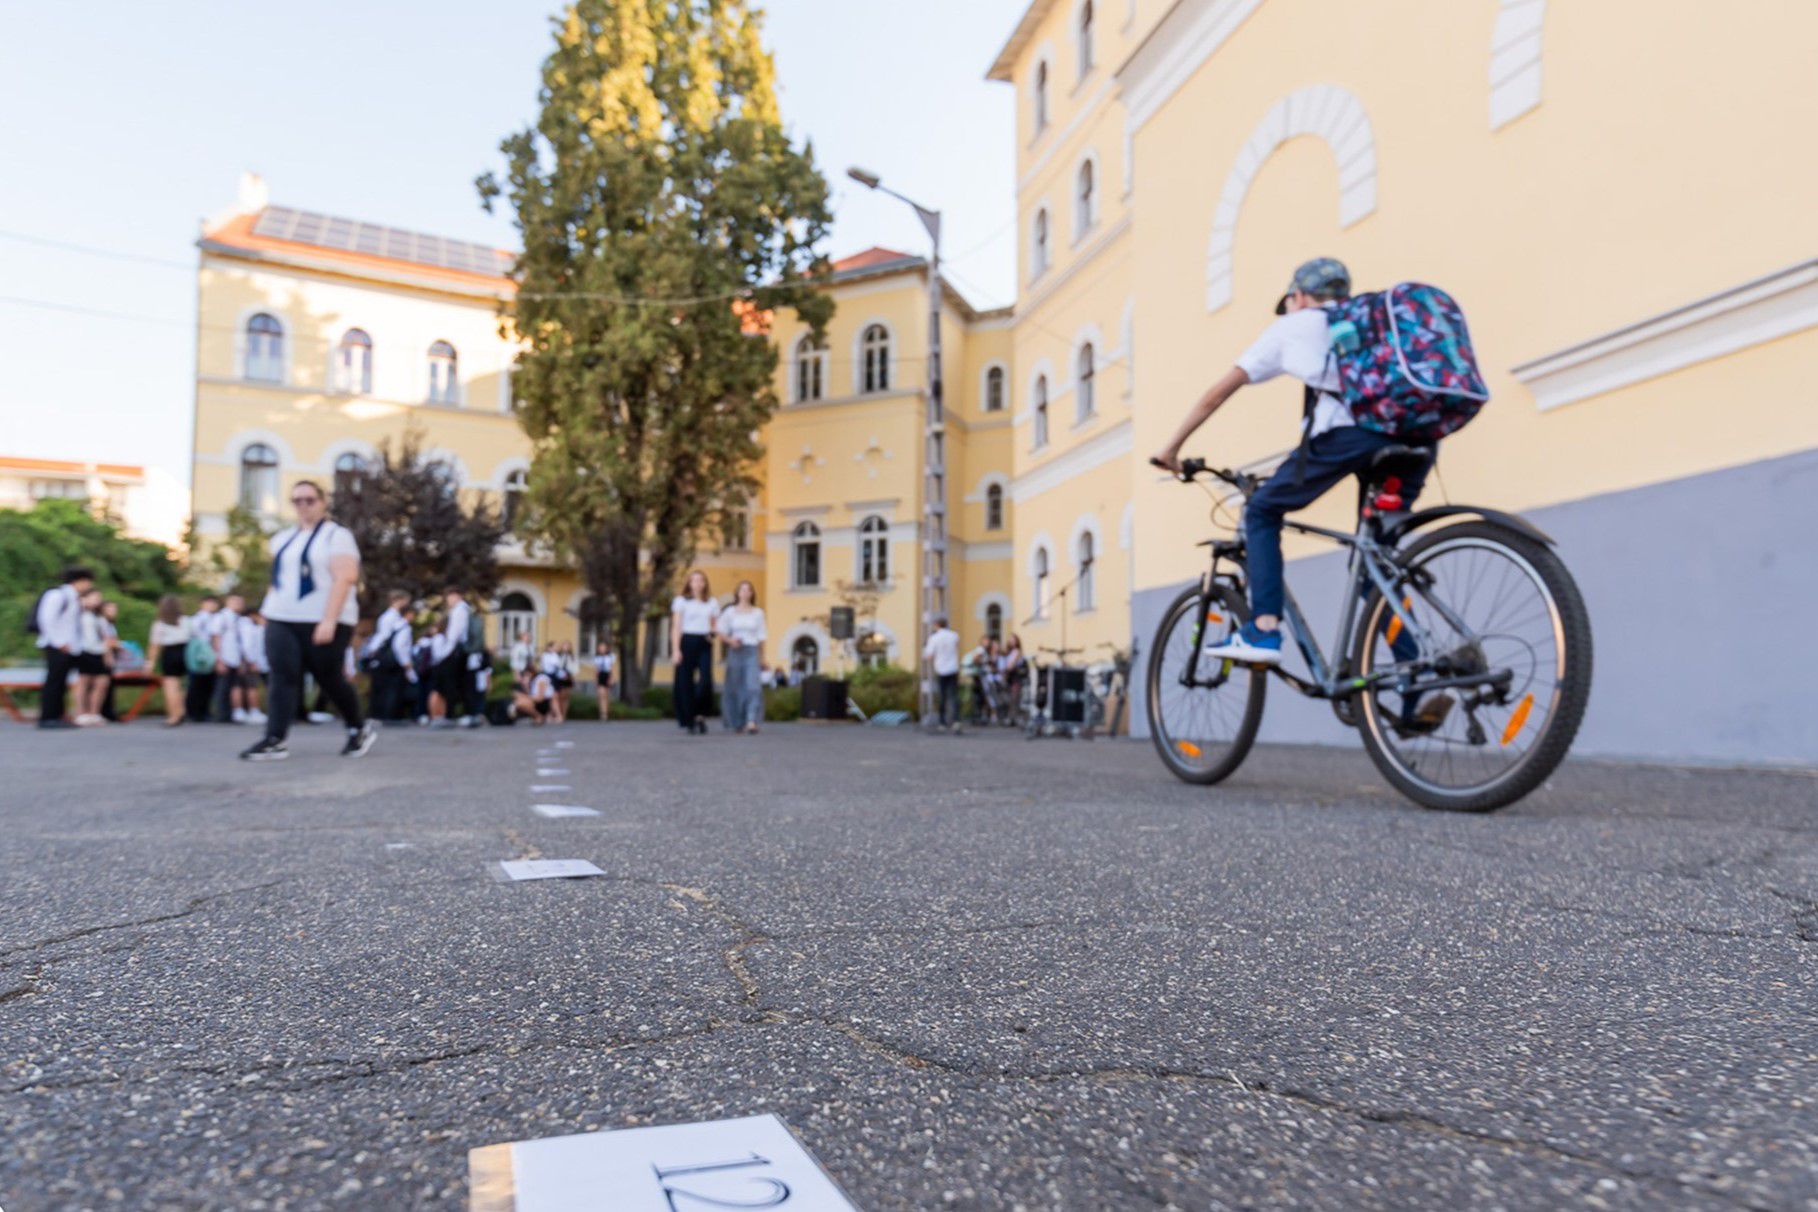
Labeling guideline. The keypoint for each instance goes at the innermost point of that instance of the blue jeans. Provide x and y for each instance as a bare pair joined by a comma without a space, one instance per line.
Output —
743,701
1307,475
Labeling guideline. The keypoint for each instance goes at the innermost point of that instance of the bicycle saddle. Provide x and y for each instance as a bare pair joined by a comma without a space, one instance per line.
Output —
1401,461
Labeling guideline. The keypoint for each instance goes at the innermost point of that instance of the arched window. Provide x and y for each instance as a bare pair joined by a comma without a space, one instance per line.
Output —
594,625
444,383
259,479
874,551
874,359
353,363
349,468
994,389
1041,582
805,656
1085,37
810,369
511,505
735,528
1088,589
994,507
265,349
518,620
805,563
1083,389
1040,96
444,472
1041,411
1038,245
1085,199
994,621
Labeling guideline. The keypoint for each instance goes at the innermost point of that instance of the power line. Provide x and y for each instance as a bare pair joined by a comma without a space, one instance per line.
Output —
94,251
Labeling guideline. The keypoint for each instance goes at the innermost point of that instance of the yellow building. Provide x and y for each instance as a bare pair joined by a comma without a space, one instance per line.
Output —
321,338
1608,189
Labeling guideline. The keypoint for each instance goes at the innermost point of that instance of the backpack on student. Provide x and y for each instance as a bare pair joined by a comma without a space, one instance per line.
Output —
1405,361
474,643
31,618
199,654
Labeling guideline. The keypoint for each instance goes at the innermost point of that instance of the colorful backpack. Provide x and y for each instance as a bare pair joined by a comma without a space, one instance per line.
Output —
1404,357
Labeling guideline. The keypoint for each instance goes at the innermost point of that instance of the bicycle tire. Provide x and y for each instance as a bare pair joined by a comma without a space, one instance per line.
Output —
1184,611
1573,628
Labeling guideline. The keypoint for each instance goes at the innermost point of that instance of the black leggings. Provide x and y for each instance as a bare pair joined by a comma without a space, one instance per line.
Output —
694,679
290,650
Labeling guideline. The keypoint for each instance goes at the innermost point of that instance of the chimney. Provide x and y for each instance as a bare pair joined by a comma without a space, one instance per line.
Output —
254,195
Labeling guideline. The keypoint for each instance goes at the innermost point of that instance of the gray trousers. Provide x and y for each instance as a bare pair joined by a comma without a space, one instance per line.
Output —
742,701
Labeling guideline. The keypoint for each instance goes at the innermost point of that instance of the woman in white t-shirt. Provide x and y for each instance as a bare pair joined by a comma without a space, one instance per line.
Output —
692,618
169,637
742,627
310,611
603,665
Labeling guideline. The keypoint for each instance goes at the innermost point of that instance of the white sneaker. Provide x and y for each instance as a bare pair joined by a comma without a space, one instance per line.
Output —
321,717
240,715
254,716
1247,646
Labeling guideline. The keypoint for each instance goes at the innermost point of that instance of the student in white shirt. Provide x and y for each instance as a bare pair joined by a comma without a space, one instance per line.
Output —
692,617
942,652
310,612
91,661
742,628
448,702
201,690
387,657
165,654
57,622
249,630
603,665
225,634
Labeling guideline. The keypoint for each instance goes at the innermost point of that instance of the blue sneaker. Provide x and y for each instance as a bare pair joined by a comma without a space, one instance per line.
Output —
1247,646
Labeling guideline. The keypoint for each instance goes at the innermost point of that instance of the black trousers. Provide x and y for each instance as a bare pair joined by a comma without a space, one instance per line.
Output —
387,692
476,689
197,697
290,650
57,667
694,679
949,694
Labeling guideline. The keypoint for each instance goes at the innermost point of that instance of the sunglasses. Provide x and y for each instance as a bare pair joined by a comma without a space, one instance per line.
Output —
304,500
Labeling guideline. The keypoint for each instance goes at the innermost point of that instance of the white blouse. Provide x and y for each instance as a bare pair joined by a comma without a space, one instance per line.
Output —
744,624
698,616
170,635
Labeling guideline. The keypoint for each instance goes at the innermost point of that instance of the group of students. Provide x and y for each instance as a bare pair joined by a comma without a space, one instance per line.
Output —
542,684
77,629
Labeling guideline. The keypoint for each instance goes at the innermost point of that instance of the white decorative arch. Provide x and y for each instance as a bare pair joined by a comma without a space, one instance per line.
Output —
986,601
858,354
289,339
1084,223
1515,60
514,585
1326,111
504,468
1086,523
441,454
344,446
977,495
785,651
1045,55
1038,264
237,444
1043,368
984,378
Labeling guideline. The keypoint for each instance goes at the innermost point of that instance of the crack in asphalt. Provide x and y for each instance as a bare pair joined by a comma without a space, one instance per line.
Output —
194,905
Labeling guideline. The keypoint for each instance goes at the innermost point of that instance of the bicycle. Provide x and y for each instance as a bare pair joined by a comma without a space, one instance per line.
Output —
1464,653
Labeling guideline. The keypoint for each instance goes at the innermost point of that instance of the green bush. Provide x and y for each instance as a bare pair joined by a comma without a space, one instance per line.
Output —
660,699
878,688
784,704
626,711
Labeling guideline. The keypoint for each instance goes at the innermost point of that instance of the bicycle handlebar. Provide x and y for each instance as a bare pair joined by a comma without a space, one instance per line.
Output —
1192,469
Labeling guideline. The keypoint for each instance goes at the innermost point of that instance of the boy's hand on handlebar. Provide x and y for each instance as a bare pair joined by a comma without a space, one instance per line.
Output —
1167,460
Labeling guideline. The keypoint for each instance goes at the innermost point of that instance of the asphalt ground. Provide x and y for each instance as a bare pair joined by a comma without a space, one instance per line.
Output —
970,972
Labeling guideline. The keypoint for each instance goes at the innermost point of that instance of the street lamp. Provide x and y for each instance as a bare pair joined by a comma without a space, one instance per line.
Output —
934,475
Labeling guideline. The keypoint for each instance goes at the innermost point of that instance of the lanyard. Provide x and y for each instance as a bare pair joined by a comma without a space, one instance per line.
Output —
306,580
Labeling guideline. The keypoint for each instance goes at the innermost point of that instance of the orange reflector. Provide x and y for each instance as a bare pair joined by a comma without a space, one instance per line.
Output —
1394,628
1519,718
1188,748
1212,616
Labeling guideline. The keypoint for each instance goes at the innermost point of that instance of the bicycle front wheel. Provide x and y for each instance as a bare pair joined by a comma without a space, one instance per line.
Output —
1202,731
1491,601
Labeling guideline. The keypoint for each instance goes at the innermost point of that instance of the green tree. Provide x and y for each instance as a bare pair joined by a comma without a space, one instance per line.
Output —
414,531
240,561
664,215
36,545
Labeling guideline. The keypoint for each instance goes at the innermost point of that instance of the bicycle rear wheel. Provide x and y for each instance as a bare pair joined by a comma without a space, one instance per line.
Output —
1202,733
1464,749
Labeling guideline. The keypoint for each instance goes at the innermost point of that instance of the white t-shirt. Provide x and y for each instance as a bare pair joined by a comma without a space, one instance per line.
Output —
252,642
169,635
1297,345
93,629
541,688
698,617
603,663
943,651
285,601
744,624
227,630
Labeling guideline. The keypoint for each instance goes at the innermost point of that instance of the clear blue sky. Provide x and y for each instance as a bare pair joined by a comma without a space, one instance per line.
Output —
126,122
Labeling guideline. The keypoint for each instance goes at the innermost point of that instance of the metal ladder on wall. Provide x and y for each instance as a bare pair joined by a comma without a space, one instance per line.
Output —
934,490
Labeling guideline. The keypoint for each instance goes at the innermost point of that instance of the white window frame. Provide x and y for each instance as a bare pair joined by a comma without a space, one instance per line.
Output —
805,534
1040,398
984,388
271,473
444,367
281,366
1086,208
345,378
874,551
809,370
863,383
1085,382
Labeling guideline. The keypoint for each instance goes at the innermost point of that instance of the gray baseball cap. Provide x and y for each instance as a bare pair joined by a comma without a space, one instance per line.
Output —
1321,274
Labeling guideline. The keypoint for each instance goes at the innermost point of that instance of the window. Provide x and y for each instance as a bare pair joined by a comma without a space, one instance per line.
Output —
805,656
1041,582
1085,38
994,389
994,507
511,506
1040,97
994,621
735,528
348,470
444,473
874,551
1041,411
1084,200
806,563
595,627
1083,390
1088,591
518,620
259,479
1038,245
874,359
810,369
59,490
353,363
265,349
444,383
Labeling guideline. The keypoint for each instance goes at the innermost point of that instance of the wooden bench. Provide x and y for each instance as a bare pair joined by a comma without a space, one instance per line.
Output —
33,679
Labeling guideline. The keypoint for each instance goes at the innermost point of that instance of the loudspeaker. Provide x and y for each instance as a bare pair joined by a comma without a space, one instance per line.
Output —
839,622
823,699
1066,695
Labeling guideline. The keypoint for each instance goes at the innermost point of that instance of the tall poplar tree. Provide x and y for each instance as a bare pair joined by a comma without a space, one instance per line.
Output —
664,215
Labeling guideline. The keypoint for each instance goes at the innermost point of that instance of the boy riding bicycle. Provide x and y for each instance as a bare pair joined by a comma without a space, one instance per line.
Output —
1333,446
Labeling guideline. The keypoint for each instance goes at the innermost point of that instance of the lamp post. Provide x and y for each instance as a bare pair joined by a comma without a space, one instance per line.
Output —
934,463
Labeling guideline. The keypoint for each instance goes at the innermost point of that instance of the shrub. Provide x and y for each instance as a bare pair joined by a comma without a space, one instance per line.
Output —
783,704
878,688
660,699
626,711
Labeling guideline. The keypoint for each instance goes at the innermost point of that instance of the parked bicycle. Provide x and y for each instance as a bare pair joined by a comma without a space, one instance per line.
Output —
1463,654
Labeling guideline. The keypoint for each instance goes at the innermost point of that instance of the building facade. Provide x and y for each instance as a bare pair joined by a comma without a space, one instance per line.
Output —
1635,253
148,505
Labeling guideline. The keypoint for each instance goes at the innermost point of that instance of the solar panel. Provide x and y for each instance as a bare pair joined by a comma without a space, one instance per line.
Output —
374,239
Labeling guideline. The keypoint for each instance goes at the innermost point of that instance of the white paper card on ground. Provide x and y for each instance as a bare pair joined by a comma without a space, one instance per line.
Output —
556,810
546,772
729,1163
564,744
547,869
550,787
